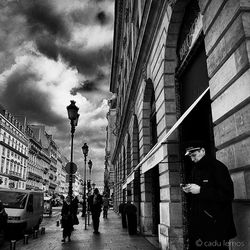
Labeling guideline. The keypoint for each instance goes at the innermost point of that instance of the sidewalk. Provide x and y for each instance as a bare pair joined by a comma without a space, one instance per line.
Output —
111,237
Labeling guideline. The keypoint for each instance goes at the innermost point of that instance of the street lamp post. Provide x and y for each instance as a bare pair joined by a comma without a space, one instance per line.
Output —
73,117
85,150
90,164
90,167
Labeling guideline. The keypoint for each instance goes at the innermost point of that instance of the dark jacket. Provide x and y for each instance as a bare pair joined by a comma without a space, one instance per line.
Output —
95,205
211,210
3,219
67,215
74,205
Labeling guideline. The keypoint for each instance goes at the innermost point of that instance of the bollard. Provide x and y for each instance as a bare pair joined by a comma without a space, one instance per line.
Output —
35,234
57,223
43,230
25,239
12,244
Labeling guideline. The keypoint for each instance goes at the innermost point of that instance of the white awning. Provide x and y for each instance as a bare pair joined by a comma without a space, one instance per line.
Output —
159,151
130,178
124,185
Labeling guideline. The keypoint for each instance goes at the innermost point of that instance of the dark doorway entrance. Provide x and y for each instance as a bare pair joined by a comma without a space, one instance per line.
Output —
155,199
193,81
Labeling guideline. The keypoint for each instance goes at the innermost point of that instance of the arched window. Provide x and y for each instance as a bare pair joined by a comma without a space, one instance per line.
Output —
153,125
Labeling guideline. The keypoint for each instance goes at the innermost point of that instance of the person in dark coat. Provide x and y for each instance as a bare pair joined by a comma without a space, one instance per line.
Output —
95,205
67,219
130,212
3,223
211,192
105,206
123,215
75,202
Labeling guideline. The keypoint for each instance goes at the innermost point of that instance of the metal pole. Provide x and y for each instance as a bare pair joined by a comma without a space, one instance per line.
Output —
71,159
88,190
85,202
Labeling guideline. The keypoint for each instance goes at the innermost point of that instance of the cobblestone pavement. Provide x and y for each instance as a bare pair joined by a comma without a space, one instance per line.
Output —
111,237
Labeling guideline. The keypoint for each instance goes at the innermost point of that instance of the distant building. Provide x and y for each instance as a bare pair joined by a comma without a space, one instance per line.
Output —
64,184
61,175
109,174
13,151
35,171
30,158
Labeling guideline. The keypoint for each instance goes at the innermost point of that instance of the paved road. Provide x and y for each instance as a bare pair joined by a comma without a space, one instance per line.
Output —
112,236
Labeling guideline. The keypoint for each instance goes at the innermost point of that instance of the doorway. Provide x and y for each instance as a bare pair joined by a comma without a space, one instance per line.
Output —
193,81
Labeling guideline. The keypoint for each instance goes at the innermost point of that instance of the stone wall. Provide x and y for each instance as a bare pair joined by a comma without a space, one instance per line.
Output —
226,27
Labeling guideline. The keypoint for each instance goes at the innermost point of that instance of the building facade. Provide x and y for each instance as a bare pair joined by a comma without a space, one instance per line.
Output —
109,174
35,171
30,158
180,71
13,152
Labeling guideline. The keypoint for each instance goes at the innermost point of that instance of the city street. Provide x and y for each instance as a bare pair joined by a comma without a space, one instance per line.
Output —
112,236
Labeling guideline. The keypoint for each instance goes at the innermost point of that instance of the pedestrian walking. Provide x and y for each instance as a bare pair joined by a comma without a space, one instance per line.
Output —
3,223
67,219
123,215
74,203
105,206
95,204
131,217
210,190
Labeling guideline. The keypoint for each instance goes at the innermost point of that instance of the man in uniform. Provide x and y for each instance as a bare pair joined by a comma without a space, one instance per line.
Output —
210,190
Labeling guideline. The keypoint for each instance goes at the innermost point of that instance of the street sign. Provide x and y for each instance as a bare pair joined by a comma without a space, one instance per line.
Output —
73,178
73,167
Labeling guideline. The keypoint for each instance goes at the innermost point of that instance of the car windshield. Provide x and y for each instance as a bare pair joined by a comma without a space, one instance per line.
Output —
13,199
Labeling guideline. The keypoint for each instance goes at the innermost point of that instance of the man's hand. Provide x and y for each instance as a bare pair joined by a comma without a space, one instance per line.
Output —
192,188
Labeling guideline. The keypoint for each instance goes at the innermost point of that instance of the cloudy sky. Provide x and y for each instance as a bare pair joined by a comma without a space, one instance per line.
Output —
54,51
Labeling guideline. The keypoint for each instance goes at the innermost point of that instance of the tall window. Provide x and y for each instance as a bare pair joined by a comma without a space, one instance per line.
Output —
153,126
11,165
7,166
2,164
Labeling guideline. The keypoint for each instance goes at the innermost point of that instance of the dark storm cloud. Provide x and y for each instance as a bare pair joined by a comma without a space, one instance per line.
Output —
42,17
86,86
21,96
102,18
47,46
90,85
87,62
91,15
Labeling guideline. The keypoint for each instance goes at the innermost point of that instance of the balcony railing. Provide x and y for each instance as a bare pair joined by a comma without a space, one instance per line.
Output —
15,174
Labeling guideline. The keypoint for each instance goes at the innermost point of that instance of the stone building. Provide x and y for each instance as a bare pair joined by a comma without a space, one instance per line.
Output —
180,70
35,171
109,174
13,151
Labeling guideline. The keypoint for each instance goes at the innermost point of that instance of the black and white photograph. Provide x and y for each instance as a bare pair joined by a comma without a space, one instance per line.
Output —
124,124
